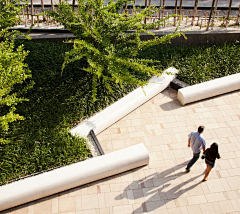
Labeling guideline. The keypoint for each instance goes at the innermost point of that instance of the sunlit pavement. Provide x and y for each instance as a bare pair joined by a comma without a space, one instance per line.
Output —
163,125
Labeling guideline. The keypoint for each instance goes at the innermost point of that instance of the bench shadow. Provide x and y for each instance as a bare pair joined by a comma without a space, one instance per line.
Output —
154,191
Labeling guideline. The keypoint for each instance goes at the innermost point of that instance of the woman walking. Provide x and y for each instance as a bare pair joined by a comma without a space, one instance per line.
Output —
210,156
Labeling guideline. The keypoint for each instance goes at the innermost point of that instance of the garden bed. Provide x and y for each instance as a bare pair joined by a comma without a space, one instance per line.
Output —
58,102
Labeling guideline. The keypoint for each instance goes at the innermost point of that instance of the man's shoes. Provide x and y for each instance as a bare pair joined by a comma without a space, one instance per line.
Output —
187,170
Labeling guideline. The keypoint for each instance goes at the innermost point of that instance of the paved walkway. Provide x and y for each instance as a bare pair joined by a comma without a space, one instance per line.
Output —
162,124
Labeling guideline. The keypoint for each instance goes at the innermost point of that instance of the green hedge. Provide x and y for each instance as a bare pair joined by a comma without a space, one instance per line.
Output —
59,101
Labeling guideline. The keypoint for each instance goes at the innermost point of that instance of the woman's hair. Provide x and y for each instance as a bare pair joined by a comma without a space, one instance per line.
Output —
213,151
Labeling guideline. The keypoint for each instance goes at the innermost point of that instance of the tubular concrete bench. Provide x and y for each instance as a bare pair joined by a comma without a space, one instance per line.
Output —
71,176
125,105
209,89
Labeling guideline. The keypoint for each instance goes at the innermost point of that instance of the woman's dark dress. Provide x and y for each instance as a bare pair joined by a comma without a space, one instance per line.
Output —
208,159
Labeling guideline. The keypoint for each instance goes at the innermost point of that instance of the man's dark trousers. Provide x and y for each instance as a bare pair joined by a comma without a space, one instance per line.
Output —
194,159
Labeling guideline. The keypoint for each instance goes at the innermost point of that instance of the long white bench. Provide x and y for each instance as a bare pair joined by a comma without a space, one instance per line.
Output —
124,106
71,176
209,89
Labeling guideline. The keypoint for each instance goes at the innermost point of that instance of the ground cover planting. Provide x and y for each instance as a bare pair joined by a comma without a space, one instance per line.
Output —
59,101
200,63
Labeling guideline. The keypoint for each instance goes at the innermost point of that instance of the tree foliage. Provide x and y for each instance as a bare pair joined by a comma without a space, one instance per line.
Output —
13,70
9,16
109,40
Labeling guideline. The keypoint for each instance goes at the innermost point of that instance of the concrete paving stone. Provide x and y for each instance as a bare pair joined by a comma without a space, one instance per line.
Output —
234,172
90,201
213,197
171,203
130,197
198,199
168,155
224,164
226,206
123,209
232,163
113,199
224,173
101,200
226,155
216,207
54,205
138,193
214,185
78,203
225,184
31,209
43,206
233,182
104,210
207,208
124,198
134,185
118,187
155,206
149,174
233,194
92,211
182,201
151,194
194,209
126,177
236,204
66,204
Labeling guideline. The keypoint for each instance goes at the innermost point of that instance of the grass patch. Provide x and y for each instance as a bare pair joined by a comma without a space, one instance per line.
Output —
58,102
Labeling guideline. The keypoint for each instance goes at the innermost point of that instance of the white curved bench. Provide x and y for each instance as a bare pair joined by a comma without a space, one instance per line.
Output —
209,89
71,176
125,105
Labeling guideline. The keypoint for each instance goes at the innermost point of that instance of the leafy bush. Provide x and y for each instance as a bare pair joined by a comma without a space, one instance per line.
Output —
102,41
12,71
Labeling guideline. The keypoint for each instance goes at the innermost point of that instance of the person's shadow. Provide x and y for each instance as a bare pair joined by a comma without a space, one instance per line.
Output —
157,189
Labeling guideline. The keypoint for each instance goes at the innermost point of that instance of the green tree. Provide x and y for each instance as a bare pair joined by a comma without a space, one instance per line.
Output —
101,39
9,11
13,70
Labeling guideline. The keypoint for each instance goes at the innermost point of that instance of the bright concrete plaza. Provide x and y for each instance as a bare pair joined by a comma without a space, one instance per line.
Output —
163,125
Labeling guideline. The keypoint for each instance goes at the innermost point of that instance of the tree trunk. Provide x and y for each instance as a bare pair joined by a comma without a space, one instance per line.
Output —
194,11
42,5
238,15
229,10
32,12
210,16
73,4
52,4
214,12
180,9
175,11
163,8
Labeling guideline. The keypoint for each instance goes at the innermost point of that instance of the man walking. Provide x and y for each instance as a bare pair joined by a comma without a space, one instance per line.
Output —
197,142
